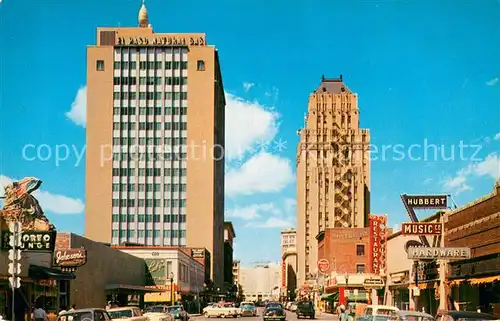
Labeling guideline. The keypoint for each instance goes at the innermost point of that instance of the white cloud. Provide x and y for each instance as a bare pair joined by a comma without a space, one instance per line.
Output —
53,203
254,211
247,124
273,222
497,137
248,85
490,166
78,112
493,81
262,173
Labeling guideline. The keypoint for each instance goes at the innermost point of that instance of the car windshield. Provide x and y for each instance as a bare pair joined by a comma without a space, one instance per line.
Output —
120,314
80,316
273,305
154,309
416,318
305,304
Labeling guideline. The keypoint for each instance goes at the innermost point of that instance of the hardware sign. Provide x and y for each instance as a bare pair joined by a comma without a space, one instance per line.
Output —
443,253
421,228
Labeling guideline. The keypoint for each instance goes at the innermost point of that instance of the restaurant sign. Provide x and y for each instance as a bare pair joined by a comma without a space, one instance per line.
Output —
198,253
426,201
35,241
373,282
162,40
155,272
378,243
441,253
421,228
70,259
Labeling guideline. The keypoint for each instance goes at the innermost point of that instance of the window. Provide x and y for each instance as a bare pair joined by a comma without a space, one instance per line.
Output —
99,66
360,249
360,268
200,65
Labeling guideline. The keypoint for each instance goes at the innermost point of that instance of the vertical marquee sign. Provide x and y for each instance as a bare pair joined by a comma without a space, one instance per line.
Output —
283,273
378,243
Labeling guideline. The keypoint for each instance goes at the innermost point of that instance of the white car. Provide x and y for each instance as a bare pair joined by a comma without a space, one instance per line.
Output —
220,311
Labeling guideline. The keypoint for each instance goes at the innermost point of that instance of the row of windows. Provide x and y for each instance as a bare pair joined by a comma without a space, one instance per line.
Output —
149,111
99,65
152,156
141,218
149,81
149,95
167,126
146,233
143,65
149,203
172,141
149,172
150,187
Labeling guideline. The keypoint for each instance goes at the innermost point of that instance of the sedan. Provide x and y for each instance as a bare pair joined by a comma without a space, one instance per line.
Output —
274,312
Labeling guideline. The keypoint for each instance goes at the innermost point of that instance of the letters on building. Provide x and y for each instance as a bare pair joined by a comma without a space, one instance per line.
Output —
427,201
422,253
174,40
421,229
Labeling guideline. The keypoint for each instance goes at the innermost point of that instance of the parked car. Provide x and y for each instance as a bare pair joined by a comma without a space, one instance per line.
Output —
379,313
305,309
274,311
178,312
463,316
248,309
220,311
158,313
126,314
85,315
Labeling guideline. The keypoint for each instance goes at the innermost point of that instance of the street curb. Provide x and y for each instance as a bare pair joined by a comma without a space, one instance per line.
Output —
195,315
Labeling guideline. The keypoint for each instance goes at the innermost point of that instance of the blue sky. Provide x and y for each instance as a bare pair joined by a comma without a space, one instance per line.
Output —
424,72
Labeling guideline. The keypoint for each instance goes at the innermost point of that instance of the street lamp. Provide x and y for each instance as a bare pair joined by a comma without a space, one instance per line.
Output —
347,284
172,300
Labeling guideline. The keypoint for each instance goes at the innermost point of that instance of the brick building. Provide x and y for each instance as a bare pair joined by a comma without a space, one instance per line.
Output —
475,283
347,252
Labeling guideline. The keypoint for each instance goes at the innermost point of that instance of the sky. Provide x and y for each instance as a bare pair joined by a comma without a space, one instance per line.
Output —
426,73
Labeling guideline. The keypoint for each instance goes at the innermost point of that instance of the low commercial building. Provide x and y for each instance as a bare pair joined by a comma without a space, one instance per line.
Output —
108,275
261,282
475,283
173,270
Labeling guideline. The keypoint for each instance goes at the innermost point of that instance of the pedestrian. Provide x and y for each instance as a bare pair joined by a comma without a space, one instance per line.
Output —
39,313
63,309
343,314
350,313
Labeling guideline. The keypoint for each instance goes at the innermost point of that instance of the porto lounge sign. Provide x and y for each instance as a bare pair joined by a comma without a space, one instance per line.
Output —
36,241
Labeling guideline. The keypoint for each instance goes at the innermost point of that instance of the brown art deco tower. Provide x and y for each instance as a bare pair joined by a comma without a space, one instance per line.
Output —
333,170
155,109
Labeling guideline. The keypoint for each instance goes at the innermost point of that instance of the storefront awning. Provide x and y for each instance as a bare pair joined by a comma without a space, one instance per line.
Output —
330,296
42,273
131,288
486,279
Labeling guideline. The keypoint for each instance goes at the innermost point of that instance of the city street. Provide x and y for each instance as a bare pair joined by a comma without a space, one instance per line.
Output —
290,316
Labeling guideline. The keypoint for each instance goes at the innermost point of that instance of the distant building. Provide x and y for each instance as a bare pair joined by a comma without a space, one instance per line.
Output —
236,272
288,263
261,282
333,170
155,139
229,236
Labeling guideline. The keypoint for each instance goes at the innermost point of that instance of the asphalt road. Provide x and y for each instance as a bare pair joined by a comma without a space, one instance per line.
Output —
290,316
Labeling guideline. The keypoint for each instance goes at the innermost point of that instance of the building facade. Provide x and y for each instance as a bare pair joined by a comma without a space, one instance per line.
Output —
155,139
475,283
261,282
333,170
236,272
173,270
288,263
229,236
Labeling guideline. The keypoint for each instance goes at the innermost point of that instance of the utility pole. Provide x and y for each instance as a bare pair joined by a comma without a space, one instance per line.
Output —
14,265
443,267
